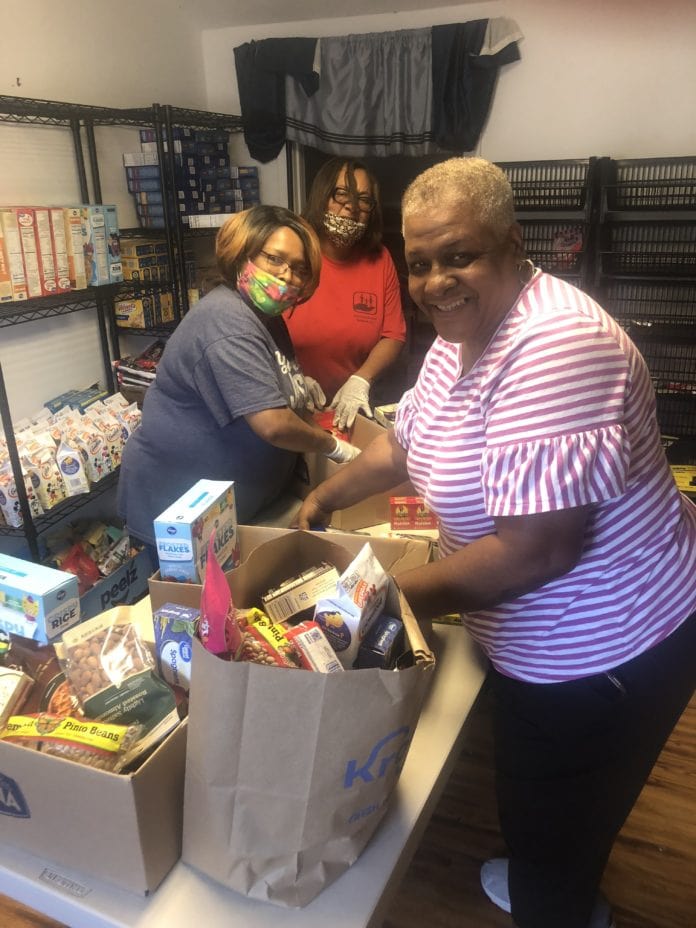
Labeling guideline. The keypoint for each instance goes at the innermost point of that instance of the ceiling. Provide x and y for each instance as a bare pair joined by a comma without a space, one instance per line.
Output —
217,14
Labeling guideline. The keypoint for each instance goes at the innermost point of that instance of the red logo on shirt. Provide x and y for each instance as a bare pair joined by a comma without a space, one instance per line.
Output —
365,303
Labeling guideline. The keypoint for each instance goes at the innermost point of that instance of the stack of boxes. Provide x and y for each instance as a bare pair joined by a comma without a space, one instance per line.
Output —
205,184
48,250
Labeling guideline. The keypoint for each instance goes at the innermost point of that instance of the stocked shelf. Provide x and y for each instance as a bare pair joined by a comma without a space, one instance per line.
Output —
65,508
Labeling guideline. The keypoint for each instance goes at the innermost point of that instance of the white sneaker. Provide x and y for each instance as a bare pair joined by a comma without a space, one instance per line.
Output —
494,880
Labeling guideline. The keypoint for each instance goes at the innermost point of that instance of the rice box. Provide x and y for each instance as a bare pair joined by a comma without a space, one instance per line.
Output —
35,601
183,529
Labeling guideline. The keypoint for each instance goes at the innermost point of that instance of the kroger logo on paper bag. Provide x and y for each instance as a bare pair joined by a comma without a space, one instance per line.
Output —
388,753
12,801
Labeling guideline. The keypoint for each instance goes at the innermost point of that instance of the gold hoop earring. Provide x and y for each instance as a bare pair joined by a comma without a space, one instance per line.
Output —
525,270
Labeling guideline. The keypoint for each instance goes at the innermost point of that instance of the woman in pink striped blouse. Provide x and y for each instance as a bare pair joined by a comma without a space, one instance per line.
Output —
564,542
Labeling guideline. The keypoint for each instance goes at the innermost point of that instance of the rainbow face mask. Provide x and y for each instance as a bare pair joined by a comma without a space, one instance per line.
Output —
267,293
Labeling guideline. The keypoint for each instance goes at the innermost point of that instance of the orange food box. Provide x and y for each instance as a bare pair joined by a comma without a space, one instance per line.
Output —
410,512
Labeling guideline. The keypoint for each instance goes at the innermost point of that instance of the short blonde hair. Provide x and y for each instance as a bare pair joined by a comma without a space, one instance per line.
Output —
472,182
244,235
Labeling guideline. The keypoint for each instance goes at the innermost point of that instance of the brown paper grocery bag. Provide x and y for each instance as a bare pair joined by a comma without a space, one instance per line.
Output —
289,772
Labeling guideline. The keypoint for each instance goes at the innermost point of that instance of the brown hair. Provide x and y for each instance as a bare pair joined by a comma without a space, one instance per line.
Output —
244,235
320,193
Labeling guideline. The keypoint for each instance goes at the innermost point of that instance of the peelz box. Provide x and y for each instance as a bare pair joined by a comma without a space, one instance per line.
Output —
35,601
182,531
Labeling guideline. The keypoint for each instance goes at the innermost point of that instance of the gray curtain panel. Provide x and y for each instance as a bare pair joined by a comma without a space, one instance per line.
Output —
375,96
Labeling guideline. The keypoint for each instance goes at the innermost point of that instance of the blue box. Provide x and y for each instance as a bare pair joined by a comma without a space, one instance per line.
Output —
182,531
113,244
35,601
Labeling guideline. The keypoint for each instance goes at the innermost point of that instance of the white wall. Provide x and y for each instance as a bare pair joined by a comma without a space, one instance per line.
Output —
125,54
596,77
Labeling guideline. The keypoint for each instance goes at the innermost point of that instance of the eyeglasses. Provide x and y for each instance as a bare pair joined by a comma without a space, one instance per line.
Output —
300,271
342,196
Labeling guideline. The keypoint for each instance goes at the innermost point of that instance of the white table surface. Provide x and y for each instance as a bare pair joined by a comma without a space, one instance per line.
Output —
360,897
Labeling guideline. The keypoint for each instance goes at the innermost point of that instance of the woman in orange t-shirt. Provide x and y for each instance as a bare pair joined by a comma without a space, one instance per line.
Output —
352,329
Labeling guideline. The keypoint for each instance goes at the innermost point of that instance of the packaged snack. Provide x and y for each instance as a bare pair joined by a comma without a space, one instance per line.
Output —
113,673
72,469
358,599
382,645
50,691
297,596
217,629
312,647
175,627
14,688
96,744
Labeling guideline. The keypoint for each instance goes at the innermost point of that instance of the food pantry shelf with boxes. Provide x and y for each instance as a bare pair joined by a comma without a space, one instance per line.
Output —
206,185
52,250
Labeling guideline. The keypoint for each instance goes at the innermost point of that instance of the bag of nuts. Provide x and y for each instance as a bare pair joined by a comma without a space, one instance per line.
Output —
113,673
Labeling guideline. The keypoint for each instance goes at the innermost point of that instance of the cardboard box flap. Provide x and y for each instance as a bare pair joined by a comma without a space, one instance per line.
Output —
421,652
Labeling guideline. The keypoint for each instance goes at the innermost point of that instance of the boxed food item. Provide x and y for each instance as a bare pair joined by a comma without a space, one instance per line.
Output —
183,529
26,223
371,511
113,243
72,216
60,247
410,512
13,253
94,244
36,601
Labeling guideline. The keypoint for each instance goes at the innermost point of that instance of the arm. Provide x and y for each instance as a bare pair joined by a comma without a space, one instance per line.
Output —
523,554
283,428
379,467
385,353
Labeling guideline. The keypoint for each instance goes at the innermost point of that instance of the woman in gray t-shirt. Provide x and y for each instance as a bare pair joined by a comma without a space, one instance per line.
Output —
230,401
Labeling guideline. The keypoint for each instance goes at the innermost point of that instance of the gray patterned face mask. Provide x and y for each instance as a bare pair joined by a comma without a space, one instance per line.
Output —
342,231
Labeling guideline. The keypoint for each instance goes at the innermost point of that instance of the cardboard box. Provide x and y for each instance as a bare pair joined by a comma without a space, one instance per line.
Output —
411,512
370,511
123,587
183,530
293,552
13,251
122,828
35,601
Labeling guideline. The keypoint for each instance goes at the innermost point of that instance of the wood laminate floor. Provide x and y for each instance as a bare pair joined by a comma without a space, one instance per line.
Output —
650,879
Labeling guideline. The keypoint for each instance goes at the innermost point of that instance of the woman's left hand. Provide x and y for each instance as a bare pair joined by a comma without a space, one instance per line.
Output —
316,399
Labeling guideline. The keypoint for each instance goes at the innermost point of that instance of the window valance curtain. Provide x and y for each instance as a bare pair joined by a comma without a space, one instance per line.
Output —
412,92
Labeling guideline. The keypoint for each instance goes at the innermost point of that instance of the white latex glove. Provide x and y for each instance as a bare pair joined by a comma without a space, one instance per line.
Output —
343,452
352,397
315,395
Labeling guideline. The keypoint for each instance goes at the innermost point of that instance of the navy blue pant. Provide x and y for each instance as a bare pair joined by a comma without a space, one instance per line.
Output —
571,760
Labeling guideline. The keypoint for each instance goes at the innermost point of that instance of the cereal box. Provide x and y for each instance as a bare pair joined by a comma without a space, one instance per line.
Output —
36,601
94,245
13,251
183,529
73,243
